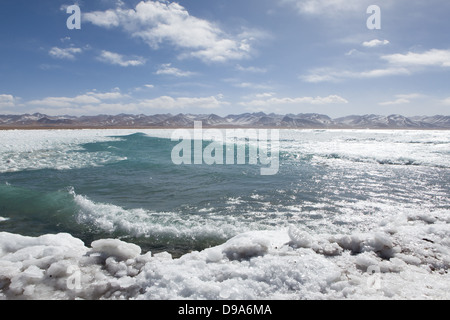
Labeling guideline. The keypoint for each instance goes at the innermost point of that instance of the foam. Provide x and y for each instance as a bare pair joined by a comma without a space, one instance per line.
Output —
144,223
369,147
348,219
394,261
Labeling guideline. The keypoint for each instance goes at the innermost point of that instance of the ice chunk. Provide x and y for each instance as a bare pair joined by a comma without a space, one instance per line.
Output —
299,238
246,246
213,255
276,264
366,260
163,256
382,244
116,248
354,242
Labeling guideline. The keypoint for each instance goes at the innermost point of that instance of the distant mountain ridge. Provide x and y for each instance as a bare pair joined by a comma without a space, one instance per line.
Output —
245,120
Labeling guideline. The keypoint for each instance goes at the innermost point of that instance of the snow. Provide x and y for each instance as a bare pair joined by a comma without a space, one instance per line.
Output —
116,248
406,257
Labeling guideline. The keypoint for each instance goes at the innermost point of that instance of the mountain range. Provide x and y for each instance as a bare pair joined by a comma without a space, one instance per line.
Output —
245,120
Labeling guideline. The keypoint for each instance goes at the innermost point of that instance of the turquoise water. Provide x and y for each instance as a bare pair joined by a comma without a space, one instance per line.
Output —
130,188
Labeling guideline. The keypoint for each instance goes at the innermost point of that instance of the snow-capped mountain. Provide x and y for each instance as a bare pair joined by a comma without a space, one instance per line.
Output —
255,120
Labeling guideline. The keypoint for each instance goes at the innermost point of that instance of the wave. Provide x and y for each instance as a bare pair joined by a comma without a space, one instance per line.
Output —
32,212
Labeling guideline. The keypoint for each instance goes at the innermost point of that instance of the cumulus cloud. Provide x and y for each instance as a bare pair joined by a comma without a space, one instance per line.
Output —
251,85
64,53
94,102
106,19
375,43
394,65
118,59
326,7
144,87
160,23
89,98
167,69
433,57
251,69
134,106
7,101
395,102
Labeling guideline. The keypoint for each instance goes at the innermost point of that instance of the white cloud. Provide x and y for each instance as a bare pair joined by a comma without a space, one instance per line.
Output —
120,60
395,102
264,95
7,101
107,95
60,102
352,52
332,75
397,64
402,99
332,99
158,23
410,96
66,53
89,98
167,69
377,73
144,87
106,19
446,101
327,7
250,85
433,57
375,43
94,103
251,69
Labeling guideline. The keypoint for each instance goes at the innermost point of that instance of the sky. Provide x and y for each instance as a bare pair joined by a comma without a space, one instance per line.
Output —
225,57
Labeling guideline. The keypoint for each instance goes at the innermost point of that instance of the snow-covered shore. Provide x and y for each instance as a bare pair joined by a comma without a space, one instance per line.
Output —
406,257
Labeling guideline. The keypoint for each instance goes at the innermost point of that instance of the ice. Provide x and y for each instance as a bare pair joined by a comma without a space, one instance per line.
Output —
246,246
116,248
290,263
55,149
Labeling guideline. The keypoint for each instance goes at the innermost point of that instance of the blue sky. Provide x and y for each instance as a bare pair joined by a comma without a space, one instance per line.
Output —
225,57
